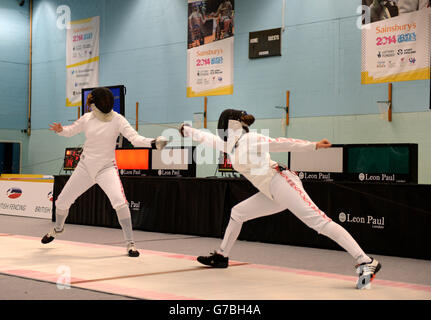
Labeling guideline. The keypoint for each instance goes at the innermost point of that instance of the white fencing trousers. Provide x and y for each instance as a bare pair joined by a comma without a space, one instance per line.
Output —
81,180
288,193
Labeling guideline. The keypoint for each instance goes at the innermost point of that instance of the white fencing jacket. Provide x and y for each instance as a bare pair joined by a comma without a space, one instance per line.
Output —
249,152
101,137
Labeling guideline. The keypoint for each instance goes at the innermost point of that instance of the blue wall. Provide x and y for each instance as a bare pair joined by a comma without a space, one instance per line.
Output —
14,57
143,46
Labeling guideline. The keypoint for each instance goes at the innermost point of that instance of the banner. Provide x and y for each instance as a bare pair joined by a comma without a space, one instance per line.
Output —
395,41
210,47
82,58
27,199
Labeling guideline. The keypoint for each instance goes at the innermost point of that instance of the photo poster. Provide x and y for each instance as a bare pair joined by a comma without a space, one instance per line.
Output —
82,58
210,45
396,37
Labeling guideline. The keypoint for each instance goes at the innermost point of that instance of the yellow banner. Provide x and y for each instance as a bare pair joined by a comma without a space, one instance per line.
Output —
211,92
422,74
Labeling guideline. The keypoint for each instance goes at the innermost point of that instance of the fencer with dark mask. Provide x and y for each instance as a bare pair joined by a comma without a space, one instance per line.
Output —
279,189
97,163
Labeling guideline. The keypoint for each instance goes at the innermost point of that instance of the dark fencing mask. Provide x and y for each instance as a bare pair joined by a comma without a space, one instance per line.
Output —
103,99
236,115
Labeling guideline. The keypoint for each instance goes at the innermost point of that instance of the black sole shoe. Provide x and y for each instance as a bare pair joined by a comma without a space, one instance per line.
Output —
47,239
51,235
215,260
133,253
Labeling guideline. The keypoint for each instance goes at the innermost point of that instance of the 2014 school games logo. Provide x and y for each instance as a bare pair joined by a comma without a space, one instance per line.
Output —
50,196
14,193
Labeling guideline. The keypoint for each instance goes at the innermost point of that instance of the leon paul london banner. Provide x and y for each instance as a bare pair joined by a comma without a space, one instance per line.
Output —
82,58
210,47
395,41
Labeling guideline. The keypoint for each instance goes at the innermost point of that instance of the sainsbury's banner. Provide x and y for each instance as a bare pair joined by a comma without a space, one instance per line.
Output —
396,41
28,199
210,47
82,58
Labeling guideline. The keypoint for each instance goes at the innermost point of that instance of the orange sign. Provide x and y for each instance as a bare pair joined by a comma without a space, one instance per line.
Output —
132,159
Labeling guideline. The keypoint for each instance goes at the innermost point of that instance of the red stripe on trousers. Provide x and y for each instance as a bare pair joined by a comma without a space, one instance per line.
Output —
121,184
303,196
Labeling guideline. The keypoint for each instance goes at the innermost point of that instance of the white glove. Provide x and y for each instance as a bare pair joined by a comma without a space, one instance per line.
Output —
161,142
181,128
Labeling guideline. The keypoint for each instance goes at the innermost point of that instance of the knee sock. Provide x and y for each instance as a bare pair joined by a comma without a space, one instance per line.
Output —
125,220
232,232
60,218
338,234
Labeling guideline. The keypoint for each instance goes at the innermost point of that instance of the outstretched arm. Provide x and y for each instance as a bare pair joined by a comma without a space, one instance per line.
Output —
68,131
293,145
203,137
140,141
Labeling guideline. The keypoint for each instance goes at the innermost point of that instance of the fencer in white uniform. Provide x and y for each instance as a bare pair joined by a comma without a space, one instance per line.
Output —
279,189
97,163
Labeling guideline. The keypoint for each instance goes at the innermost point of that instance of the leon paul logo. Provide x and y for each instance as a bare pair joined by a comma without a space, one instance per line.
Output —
14,193
171,172
376,177
342,217
375,222
315,176
135,206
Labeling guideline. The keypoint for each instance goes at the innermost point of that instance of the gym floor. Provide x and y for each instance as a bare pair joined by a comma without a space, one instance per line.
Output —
169,256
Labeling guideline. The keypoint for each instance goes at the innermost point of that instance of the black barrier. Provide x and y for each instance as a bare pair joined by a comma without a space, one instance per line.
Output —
387,219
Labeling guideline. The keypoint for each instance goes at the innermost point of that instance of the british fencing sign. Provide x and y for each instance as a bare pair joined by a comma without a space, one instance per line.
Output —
25,198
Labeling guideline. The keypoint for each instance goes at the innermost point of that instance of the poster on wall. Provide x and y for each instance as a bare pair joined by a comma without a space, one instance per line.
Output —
210,47
82,58
395,40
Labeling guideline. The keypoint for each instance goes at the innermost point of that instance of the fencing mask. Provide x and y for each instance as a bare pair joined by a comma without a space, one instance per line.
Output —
231,126
225,123
102,98
101,101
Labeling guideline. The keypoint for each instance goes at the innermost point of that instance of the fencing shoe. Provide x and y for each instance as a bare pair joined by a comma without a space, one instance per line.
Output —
214,260
51,235
131,250
367,273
